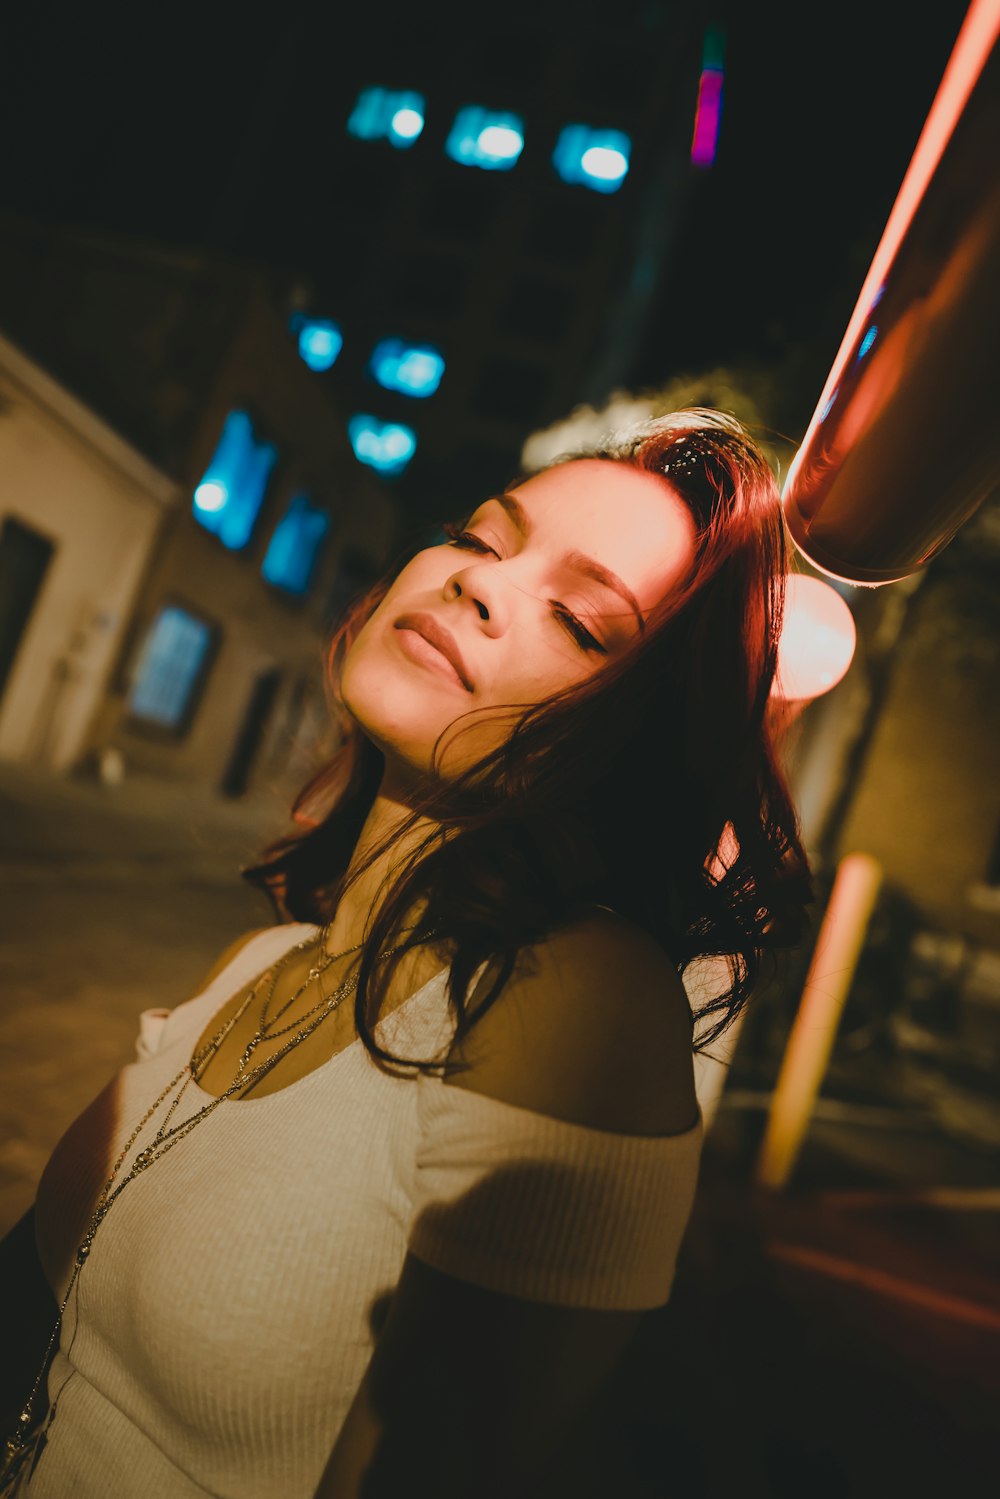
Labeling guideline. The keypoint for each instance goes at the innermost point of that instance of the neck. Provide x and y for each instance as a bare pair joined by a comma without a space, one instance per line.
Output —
388,811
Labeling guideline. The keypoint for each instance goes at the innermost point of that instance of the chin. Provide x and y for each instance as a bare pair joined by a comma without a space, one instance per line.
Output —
404,714
393,718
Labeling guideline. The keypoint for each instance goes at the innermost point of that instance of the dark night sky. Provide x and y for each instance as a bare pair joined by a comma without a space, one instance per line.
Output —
131,118
823,108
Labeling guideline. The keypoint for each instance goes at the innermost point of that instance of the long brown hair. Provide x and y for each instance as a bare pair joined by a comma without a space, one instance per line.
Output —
677,816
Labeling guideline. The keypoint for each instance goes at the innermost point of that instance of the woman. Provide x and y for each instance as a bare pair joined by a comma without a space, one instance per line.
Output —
312,1248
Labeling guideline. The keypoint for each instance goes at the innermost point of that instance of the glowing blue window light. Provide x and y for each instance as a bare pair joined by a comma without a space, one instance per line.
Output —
231,492
294,546
386,446
597,159
412,369
483,138
169,667
385,114
320,341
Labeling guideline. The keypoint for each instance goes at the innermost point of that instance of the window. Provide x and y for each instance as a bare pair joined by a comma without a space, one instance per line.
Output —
320,341
228,499
993,866
386,446
485,138
295,545
411,369
985,893
597,159
25,555
171,668
386,114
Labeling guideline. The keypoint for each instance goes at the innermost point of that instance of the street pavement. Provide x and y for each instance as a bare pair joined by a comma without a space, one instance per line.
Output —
112,900
837,1338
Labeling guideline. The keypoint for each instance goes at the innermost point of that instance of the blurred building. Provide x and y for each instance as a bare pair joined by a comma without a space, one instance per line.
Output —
927,797
384,288
478,216
898,761
81,511
182,515
494,225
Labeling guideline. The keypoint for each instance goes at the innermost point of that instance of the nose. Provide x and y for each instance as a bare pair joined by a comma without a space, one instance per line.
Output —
464,585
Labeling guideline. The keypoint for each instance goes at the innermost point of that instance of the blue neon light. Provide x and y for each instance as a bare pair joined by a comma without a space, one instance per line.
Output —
294,546
169,667
597,159
485,138
320,341
412,369
829,405
867,341
228,499
386,114
386,446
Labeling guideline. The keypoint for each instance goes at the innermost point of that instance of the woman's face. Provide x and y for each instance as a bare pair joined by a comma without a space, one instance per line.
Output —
507,595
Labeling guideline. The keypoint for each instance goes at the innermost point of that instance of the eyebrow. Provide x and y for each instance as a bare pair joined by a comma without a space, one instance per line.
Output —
576,561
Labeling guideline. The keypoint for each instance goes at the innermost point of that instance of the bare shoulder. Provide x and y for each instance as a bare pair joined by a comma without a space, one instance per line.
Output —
594,1027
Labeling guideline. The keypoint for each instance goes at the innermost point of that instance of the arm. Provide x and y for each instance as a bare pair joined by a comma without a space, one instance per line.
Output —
476,1393
472,1394
29,1315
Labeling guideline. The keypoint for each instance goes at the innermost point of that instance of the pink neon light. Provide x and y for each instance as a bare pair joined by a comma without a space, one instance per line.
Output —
706,118
973,45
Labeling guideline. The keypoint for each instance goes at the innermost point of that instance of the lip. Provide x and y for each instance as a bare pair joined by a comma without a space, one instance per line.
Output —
441,639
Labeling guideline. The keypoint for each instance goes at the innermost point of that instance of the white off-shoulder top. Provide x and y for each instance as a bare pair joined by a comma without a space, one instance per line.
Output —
222,1324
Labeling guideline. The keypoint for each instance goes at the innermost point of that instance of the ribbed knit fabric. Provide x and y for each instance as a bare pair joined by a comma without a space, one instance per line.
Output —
228,1310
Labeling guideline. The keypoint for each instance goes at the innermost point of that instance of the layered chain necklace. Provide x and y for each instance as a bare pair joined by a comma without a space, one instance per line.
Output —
21,1443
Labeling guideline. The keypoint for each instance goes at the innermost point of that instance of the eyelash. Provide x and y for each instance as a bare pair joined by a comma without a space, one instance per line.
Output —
580,634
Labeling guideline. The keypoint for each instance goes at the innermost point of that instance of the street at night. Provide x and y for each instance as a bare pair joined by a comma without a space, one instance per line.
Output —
332,343
835,1340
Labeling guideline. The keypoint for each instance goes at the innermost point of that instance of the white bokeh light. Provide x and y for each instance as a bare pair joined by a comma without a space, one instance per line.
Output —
211,495
604,162
500,141
818,637
407,123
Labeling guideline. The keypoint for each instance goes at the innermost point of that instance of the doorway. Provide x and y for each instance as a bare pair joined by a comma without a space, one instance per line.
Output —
248,740
25,556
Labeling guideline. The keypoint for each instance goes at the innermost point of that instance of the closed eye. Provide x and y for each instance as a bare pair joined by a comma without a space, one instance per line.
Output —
579,632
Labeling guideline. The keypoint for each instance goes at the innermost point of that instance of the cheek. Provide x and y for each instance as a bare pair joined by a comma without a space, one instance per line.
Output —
379,686
421,585
410,584
546,665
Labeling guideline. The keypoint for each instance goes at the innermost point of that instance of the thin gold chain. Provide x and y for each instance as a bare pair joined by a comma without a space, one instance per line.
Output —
17,1445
